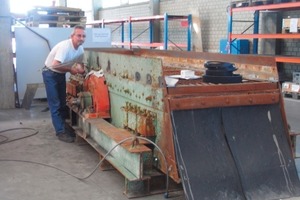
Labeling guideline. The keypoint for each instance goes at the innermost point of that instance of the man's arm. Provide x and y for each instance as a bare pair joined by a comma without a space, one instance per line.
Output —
72,67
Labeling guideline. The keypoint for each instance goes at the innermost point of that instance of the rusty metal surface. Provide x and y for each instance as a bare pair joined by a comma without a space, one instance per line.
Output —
217,88
199,57
223,101
252,67
249,66
141,102
136,97
203,95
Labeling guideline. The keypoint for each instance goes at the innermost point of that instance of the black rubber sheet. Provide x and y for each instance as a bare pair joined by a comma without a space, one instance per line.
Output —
234,153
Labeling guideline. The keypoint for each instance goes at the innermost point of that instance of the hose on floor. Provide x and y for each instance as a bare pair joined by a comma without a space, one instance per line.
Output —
6,139
133,138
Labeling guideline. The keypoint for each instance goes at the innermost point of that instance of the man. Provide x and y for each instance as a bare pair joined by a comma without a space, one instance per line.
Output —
66,56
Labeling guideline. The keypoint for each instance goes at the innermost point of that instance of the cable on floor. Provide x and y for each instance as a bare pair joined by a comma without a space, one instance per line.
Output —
133,138
6,140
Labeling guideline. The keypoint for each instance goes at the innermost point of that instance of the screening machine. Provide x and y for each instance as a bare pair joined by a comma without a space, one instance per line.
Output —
222,138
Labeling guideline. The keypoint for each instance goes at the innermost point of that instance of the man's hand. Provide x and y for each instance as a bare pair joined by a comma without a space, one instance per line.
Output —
77,69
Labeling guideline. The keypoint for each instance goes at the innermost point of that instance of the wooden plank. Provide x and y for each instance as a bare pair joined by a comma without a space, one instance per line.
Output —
7,94
30,93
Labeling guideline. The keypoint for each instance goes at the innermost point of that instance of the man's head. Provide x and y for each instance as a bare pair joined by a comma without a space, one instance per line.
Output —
78,36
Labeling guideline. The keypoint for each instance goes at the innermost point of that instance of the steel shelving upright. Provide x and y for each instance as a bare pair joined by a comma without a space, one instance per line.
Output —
256,35
151,19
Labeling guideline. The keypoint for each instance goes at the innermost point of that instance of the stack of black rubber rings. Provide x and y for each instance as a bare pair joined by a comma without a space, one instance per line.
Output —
221,72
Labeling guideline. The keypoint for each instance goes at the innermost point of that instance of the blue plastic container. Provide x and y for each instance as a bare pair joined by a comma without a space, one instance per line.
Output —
237,46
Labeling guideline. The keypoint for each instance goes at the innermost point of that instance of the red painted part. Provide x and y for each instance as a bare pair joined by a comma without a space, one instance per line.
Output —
99,90
71,89
184,24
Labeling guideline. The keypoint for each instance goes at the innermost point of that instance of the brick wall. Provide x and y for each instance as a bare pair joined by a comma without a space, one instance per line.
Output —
211,16
212,20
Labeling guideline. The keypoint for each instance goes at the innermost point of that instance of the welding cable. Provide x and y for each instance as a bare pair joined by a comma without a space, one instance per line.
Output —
133,138
5,139
166,195
12,129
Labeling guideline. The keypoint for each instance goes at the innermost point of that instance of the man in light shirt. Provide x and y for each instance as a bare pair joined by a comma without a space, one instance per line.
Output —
66,56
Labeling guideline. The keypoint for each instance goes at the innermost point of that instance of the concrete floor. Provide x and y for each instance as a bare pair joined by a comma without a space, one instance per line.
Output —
28,181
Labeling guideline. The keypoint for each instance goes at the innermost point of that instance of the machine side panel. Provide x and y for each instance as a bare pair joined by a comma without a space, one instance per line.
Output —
205,162
136,92
237,152
261,151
